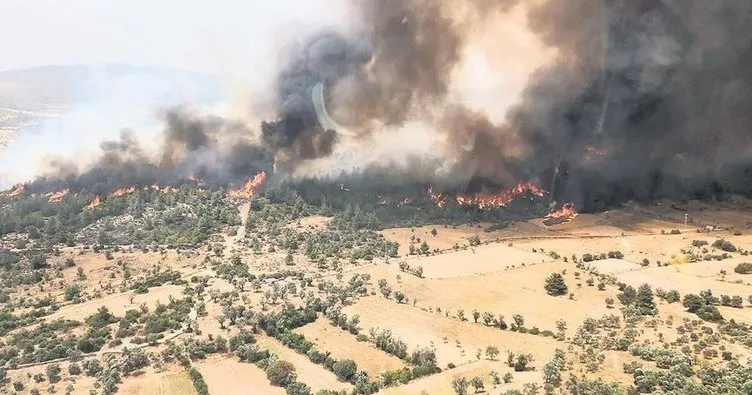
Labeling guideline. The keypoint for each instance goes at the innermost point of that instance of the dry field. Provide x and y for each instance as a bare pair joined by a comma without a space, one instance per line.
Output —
230,377
343,345
505,276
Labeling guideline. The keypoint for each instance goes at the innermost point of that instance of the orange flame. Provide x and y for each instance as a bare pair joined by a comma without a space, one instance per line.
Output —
248,190
17,190
157,188
124,191
566,213
437,198
485,201
94,203
382,201
343,188
56,197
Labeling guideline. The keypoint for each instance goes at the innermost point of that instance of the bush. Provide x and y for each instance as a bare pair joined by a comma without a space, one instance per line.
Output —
345,369
743,268
555,285
198,382
281,373
724,245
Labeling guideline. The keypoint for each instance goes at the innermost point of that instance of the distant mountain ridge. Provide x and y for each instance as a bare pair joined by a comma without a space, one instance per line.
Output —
38,88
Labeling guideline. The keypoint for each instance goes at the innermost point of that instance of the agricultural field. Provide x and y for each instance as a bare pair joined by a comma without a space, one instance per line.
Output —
284,299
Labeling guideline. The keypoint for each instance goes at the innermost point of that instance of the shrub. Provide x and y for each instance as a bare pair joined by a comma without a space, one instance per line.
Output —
743,268
724,245
555,285
281,373
345,369
198,382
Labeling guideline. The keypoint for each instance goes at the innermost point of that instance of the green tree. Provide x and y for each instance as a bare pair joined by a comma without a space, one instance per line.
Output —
477,383
644,303
281,373
460,385
492,352
555,285
345,369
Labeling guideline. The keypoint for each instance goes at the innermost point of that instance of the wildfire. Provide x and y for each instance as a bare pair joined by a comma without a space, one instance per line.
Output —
94,203
17,190
382,201
157,188
437,198
124,191
342,187
486,201
248,190
566,213
56,197
404,201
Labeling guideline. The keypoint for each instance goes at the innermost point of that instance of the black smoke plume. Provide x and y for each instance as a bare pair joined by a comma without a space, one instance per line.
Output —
644,99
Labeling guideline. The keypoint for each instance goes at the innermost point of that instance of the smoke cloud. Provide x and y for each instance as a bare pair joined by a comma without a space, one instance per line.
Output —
641,100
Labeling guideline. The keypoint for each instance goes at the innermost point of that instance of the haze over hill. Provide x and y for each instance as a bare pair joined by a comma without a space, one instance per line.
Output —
92,103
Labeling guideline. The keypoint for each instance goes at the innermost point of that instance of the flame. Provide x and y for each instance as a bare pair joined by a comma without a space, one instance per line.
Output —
404,201
343,188
157,188
437,198
248,190
124,191
566,213
56,197
485,201
94,203
17,190
382,201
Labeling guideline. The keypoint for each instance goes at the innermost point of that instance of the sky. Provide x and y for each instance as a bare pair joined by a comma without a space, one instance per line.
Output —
211,36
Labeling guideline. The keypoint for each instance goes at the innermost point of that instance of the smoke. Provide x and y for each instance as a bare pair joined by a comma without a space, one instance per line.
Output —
638,100
209,148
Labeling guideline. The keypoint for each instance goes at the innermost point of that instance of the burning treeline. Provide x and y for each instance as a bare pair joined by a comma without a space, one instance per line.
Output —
642,99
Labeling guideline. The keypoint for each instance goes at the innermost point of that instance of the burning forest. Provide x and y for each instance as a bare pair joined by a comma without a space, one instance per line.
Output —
639,101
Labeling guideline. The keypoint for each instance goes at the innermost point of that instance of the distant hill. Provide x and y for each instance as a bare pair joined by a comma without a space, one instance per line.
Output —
38,88
31,96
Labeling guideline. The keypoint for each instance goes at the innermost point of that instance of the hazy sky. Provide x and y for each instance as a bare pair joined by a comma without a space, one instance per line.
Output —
185,34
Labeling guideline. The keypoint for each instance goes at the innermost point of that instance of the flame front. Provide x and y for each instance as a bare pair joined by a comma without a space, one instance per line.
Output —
17,190
437,198
486,201
56,197
248,190
94,203
124,191
566,213
404,202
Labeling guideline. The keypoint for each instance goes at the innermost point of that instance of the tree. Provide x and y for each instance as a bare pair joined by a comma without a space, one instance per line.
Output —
399,296
495,377
743,268
221,319
72,292
474,240
492,352
693,303
627,295
520,364
487,318
477,382
476,315
519,321
460,385
561,328
281,373
555,285
298,389
345,369
53,372
644,303
508,378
